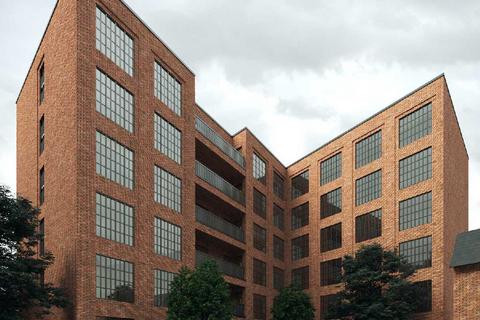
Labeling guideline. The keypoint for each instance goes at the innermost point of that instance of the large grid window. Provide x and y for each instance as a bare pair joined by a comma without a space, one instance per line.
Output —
278,278
300,216
331,237
368,188
278,217
114,102
368,226
331,203
330,272
415,168
259,203
168,139
326,302
368,149
331,169
278,185
259,169
168,239
114,161
278,248
259,272
114,279
168,189
300,277
114,220
415,125
300,247
259,238
300,184
41,186
424,294
415,211
259,307
113,42
168,89
41,135
163,281
41,83
418,252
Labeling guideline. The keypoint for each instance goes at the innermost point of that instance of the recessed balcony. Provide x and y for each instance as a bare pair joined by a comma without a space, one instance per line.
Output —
215,180
217,140
213,221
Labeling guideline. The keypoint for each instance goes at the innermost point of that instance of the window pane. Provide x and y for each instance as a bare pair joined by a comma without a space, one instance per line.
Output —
331,237
278,278
415,168
331,169
278,185
259,203
168,139
368,188
114,220
259,307
259,238
300,278
368,149
330,272
415,125
114,161
168,239
259,272
278,217
424,289
418,252
331,203
114,102
300,216
278,248
368,226
415,211
168,89
300,247
168,189
326,302
163,281
114,279
113,42
259,169
300,185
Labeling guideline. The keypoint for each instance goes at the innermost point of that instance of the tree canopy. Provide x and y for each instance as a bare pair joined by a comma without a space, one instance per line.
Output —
292,304
377,286
200,294
21,269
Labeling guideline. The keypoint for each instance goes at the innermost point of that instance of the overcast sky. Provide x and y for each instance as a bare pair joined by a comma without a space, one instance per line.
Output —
297,73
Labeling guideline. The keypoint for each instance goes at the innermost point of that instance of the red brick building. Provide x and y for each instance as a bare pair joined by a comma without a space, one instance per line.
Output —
135,180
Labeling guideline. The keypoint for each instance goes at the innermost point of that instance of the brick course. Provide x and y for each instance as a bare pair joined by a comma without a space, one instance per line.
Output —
68,51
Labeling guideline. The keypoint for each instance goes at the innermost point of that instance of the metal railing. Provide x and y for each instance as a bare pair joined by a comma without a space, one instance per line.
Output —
227,267
217,140
213,221
218,182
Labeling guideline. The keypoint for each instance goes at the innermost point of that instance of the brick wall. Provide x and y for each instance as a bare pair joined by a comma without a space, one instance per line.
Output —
467,293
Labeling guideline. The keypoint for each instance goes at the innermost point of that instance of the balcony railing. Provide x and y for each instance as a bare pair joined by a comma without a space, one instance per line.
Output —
239,310
213,221
227,267
218,182
217,140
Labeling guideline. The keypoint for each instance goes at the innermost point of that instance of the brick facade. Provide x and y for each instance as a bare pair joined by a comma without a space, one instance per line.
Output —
70,58
467,292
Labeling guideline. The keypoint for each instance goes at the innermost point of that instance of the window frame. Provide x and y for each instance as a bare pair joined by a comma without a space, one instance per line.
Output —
327,244
331,168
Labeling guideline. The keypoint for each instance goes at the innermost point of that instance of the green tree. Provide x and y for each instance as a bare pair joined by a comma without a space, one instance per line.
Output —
377,286
292,304
21,270
200,294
